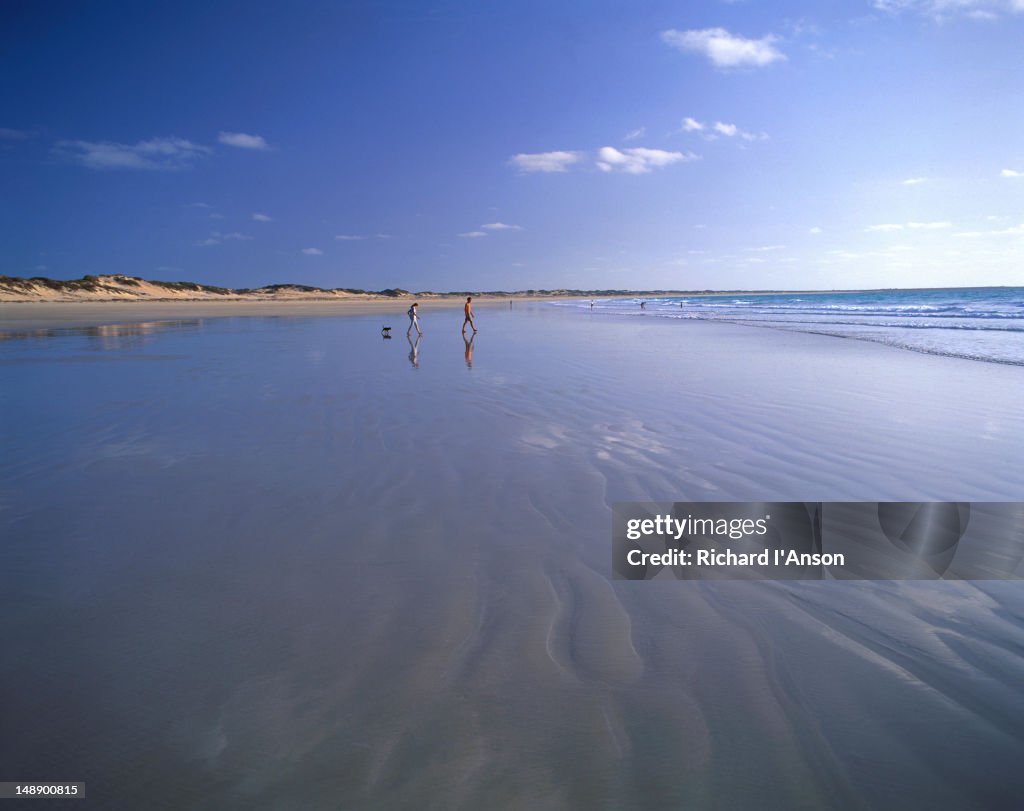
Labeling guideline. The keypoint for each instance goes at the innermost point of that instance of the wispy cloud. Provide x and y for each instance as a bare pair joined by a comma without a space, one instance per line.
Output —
349,237
1013,231
216,238
940,10
634,161
262,217
198,205
8,134
242,140
501,226
726,50
473,234
1011,173
312,252
711,132
732,131
632,135
559,161
914,181
910,226
814,230
156,154
638,161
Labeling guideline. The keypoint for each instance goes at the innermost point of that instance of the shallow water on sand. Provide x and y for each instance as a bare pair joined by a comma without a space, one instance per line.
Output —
285,563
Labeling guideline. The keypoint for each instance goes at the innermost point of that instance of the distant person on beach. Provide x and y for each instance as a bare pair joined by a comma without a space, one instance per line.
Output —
468,310
643,305
591,305
414,319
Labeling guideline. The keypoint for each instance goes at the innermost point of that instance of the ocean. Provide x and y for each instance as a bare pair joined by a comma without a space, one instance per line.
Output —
976,323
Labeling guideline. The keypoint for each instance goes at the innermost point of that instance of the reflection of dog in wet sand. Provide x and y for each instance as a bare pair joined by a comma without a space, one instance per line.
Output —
385,332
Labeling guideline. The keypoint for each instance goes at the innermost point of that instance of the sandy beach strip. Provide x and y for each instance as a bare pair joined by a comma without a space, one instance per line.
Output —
56,314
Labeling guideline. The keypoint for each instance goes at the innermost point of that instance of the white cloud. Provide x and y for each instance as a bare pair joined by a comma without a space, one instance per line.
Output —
913,226
719,128
632,135
939,10
725,50
349,237
914,181
638,161
243,141
767,248
1014,231
501,226
312,252
216,237
13,135
383,236
473,234
261,217
1011,173
814,230
157,153
559,161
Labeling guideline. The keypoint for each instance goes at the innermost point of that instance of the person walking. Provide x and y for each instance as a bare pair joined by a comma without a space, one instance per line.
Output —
414,319
468,310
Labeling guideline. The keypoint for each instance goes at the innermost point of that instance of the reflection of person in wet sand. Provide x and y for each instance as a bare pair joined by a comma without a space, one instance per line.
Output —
468,310
414,319
469,348
414,354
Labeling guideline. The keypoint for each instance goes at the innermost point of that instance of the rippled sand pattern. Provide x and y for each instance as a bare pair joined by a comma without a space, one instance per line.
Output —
273,564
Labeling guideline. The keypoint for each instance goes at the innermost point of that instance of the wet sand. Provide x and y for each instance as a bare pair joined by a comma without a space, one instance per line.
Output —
283,563
22,315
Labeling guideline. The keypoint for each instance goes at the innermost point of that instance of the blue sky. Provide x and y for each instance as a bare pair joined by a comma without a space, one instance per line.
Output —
685,145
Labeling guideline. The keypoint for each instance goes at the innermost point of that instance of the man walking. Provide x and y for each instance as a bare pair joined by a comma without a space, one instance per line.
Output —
468,309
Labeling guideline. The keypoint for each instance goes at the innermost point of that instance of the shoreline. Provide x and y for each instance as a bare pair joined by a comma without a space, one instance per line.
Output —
71,314
50,314
44,313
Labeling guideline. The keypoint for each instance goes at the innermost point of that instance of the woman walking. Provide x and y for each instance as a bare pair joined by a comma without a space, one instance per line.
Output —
414,319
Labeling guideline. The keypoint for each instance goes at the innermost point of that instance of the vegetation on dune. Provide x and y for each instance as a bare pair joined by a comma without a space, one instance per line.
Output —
115,285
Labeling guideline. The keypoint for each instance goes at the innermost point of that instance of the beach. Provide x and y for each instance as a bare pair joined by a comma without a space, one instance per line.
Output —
262,557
